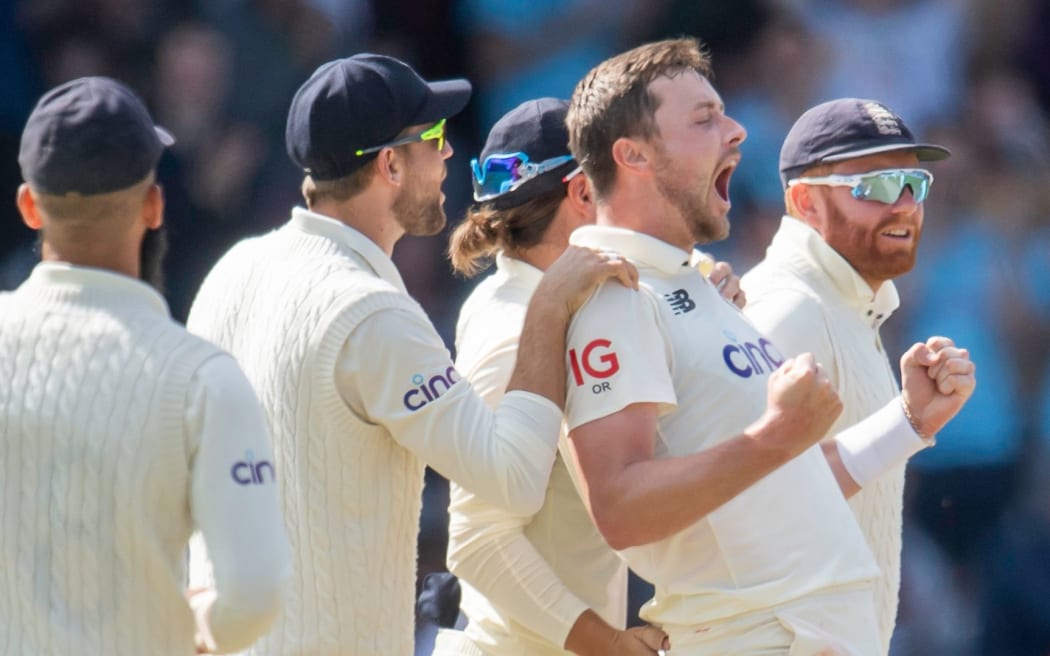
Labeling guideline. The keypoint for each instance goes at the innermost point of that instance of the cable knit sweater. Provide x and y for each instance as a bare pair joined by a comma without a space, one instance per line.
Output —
806,297
359,392
108,461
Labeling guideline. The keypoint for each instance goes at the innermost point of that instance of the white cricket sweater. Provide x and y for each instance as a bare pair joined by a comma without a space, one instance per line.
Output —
806,297
359,392
118,431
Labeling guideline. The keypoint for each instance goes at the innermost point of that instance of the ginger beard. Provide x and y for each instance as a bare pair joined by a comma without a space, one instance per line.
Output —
878,249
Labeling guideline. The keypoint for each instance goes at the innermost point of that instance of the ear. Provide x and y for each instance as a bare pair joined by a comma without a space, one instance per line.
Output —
632,155
801,198
27,207
390,166
153,207
581,196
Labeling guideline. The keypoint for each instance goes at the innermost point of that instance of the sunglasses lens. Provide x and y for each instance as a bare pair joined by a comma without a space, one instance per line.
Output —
888,187
496,174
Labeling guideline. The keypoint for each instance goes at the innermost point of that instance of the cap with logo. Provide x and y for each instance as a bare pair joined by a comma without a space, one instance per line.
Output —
91,135
359,102
536,129
845,129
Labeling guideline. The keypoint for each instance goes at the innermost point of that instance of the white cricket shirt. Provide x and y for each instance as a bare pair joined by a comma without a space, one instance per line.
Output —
525,578
679,344
807,297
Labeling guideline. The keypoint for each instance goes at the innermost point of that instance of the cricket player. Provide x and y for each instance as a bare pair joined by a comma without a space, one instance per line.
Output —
693,433
120,433
854,197
358,388
545,583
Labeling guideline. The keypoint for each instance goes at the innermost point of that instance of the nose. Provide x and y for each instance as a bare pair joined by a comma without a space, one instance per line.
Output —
906,203
735,133
447,151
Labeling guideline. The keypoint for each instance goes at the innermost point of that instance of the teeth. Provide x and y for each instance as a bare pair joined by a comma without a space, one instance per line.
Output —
896,233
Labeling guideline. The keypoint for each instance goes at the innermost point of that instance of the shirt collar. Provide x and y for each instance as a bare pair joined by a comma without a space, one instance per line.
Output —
520,270
337,231
799,244
66,281
638,247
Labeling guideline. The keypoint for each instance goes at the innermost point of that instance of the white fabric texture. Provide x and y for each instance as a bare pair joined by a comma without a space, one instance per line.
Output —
525,578
806,297
119,432
359,393
678,343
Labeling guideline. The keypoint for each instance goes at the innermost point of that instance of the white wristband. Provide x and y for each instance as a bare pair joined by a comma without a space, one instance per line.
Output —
875,445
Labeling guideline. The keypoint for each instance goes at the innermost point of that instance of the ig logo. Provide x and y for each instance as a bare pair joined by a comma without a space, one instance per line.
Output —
249,472
597,364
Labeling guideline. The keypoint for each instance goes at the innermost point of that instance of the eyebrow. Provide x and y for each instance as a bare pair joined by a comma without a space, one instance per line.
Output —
709,104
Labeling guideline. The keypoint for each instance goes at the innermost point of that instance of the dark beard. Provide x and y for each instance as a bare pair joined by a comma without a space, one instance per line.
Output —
151,258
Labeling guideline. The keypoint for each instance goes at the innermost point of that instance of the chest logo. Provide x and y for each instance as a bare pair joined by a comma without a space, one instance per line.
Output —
680,302
746,359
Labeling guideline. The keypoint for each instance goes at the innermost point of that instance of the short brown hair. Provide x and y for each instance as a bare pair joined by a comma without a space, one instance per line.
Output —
339,189
613,101
485,230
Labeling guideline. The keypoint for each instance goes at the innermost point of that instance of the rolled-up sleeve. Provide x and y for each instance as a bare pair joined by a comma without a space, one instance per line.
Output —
394,370
235,507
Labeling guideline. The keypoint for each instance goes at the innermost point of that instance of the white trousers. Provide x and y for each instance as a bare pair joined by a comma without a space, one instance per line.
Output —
835,623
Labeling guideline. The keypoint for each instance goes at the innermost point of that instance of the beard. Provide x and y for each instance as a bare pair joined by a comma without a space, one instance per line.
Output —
151,258
704,225
419,213
856,246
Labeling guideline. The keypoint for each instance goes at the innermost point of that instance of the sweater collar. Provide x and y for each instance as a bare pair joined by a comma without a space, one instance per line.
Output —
638,247
65,282
329,228
802,247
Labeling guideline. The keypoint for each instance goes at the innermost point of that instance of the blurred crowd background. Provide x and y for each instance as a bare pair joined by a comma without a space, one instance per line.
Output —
971,74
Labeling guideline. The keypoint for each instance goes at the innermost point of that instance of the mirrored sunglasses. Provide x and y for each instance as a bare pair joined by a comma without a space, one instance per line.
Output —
435,132
884,186
503,173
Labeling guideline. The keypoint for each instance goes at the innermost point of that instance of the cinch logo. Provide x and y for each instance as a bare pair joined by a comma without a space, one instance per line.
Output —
249,472
680,301
749,359
597,364
426,391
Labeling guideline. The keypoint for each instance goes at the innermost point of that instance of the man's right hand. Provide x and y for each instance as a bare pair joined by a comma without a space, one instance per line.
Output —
573,277
640,641
801,406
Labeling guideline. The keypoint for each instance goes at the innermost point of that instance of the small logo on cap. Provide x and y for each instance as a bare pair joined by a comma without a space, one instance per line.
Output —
885,121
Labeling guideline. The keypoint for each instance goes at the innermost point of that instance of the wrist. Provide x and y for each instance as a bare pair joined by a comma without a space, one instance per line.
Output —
885,439
931,439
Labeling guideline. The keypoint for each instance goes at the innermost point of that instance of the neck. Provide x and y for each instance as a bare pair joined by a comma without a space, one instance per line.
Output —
124,257
540,256
643,209
372,219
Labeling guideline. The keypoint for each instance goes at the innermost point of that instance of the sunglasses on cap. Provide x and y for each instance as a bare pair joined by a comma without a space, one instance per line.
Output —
435,132
884,186
503,173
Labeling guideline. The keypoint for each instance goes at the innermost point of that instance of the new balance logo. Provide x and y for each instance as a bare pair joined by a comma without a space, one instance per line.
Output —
680,302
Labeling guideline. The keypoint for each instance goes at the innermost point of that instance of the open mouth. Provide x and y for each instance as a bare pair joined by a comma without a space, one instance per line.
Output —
897,233
722,181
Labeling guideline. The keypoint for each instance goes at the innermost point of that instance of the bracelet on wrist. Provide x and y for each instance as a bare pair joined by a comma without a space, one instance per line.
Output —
931,439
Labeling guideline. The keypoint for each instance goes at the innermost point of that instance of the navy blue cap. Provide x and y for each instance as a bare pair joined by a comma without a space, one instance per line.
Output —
91,135
845,129
536,128
360,102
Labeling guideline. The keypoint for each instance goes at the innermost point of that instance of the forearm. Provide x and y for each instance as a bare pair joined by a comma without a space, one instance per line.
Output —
540,366
489,550
651,500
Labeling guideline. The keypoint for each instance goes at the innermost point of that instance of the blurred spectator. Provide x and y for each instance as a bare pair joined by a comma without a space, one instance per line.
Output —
906,53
